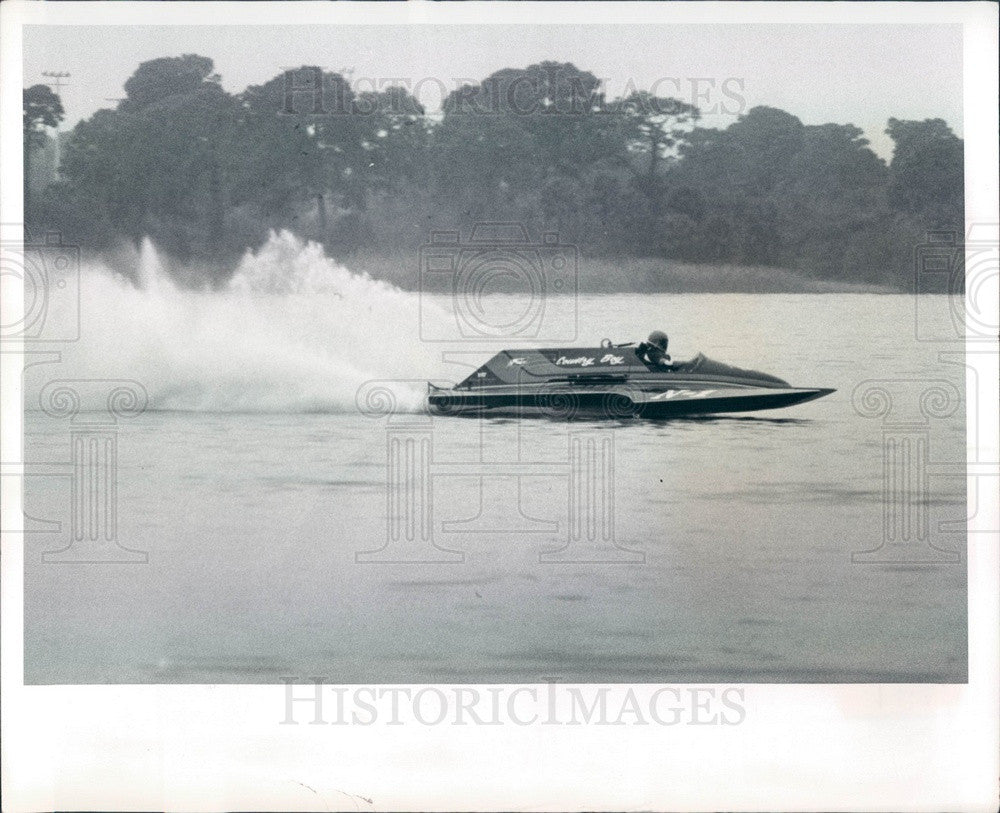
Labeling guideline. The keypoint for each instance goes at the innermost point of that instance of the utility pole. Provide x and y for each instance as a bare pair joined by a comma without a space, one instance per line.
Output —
57,80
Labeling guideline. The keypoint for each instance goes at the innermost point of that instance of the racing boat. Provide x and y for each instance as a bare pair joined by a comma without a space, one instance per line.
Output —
612,381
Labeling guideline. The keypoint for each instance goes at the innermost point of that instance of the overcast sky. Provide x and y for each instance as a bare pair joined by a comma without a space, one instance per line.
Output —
821,73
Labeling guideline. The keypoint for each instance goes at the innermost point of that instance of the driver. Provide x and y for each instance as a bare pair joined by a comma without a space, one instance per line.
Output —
654,349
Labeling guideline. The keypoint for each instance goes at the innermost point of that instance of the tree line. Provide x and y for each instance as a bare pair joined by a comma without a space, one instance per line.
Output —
207,174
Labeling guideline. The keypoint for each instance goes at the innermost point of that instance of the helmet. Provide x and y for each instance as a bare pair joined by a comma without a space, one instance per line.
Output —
658,338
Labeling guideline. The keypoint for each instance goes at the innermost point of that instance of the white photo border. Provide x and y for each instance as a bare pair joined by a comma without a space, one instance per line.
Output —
222,747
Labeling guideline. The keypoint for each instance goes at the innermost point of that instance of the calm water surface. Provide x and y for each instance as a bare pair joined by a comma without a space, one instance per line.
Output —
729,557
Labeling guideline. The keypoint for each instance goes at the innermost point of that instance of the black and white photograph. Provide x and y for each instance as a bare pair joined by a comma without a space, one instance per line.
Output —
605,393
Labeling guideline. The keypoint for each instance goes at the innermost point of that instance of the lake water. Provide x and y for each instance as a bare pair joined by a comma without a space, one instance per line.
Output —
270,517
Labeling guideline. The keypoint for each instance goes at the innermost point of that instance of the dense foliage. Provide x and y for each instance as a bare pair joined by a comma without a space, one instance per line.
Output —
207,174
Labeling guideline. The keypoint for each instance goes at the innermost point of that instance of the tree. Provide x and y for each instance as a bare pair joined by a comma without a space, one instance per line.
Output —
733,178
189,157
654,126
480,161
41,108
394,138
105,162
157,79
207,174
769,189
515,144
302,143
557,107
926,173
162,167
560,107
925,187
749,156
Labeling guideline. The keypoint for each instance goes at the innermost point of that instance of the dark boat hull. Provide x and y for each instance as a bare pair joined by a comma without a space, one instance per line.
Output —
618,403
611,382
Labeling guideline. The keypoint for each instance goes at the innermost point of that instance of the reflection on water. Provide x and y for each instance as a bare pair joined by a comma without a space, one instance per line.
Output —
714,548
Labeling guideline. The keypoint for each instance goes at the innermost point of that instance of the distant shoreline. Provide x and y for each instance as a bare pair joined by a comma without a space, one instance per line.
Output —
629,275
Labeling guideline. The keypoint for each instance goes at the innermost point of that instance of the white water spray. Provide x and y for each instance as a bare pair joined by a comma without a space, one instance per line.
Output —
292,332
